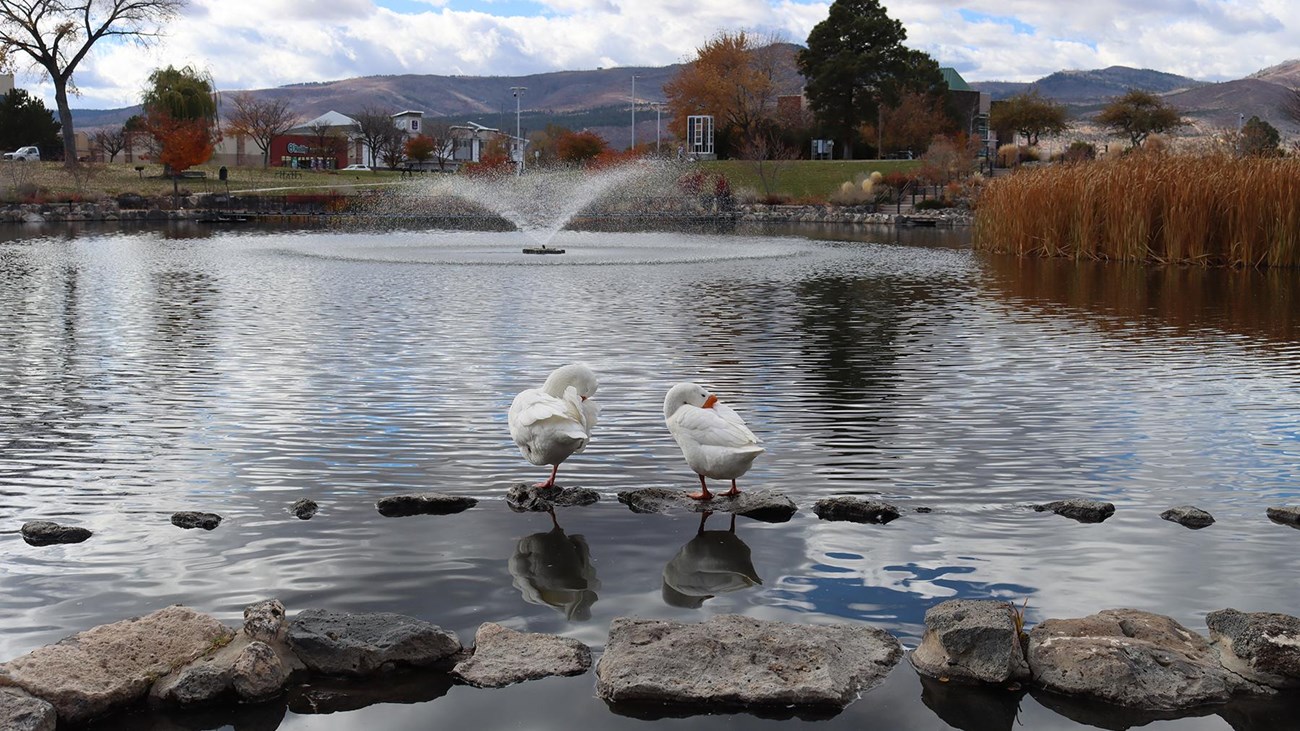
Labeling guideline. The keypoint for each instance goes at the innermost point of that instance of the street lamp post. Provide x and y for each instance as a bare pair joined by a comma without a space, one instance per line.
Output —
518,91
633,148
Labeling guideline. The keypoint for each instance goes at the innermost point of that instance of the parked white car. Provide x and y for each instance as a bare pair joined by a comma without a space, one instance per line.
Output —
357,166
24,153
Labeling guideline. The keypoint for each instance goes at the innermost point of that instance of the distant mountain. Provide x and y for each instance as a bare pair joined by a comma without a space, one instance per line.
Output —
577,99
1209,106
1226,104
1091,87
599,99
1286,73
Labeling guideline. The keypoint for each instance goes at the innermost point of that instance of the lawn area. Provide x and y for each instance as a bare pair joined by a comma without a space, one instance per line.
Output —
18,180
803,179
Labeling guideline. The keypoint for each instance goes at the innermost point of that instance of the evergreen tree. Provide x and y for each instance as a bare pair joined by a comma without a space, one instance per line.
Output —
855,62
24,120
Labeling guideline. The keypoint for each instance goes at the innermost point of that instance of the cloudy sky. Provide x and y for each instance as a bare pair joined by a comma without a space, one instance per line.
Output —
262,43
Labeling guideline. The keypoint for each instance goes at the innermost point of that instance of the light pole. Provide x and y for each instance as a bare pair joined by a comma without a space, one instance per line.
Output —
518,91
633,148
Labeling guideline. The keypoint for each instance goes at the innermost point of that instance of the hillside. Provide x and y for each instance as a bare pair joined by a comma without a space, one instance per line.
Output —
484,99
598,99
1091,87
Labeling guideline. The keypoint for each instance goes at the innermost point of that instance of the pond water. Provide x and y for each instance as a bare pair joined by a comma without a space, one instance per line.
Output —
148,371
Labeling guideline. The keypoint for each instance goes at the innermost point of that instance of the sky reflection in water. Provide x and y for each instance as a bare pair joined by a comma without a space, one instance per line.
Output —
235,372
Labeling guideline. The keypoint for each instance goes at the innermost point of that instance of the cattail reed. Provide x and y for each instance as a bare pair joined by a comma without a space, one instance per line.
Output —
1150,207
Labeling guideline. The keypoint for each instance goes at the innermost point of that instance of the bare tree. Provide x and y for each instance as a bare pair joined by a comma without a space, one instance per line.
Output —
439,131
374,127
261,120
392,146
328,139
58,34
768,155
110,141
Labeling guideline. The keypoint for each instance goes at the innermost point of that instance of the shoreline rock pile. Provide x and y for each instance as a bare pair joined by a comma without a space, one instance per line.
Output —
178,657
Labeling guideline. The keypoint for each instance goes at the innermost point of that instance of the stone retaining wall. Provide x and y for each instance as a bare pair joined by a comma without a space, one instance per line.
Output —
159,209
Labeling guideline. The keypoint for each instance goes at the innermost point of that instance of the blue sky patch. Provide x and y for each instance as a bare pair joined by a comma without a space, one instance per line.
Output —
1019,26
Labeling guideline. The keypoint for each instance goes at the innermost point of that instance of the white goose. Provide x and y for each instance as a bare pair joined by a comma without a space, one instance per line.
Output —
713,438
553,422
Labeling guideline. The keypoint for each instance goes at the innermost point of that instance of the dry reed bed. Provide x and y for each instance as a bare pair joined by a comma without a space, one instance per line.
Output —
1214,210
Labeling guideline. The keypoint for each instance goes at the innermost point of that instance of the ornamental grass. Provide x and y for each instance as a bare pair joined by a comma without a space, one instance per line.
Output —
1149,207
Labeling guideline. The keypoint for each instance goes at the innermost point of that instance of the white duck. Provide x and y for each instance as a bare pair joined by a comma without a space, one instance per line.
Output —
713,438
553,422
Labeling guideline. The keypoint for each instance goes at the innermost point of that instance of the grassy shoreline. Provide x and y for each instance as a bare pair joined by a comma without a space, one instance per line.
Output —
796,180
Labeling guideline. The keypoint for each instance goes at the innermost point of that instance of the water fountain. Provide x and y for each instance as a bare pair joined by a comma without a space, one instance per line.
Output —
542,202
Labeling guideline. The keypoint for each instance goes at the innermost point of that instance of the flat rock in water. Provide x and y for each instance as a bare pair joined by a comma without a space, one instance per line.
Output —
113,665
1084,511
339,643
525,498
1129,658
730,661
1189,516
429,503
855,510
971,640
304,509
1287,515
1261,646
765,505
188,519
19,711
503,657
46,533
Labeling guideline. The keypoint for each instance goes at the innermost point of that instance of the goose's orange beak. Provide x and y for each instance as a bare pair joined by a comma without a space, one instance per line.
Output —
710,401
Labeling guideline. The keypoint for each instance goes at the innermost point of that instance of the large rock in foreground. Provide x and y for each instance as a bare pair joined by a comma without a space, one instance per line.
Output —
255,666
1129,658
503,657
1261,646
971,640
765,505
734,661
21,712
113,665
339,643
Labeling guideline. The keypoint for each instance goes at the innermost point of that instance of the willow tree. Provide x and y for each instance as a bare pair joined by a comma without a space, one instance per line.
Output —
180,107
856,62
56,35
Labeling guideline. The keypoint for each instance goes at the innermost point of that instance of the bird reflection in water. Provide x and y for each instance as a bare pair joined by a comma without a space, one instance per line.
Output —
713,562
554,569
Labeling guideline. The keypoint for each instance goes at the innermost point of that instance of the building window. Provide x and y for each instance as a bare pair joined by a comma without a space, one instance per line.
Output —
415,125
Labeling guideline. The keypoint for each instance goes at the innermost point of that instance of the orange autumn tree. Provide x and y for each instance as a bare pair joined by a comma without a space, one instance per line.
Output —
733,78
181,114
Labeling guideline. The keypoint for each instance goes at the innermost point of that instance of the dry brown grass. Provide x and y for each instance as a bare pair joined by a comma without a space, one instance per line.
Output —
50,181
1210,210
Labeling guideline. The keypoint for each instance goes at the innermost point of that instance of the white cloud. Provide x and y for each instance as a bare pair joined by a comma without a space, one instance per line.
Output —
263,43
